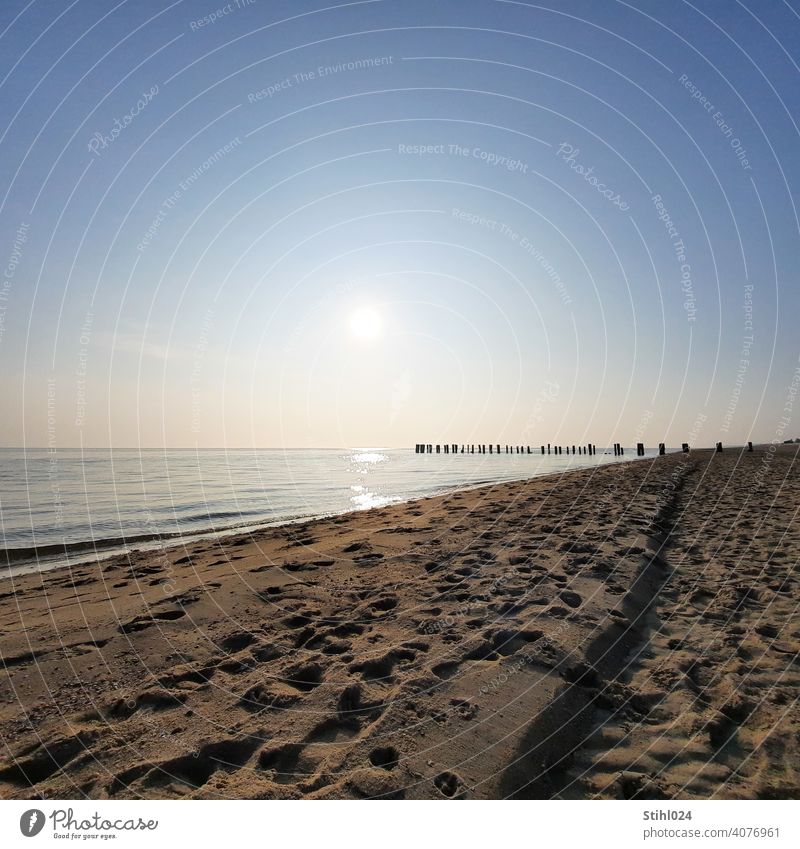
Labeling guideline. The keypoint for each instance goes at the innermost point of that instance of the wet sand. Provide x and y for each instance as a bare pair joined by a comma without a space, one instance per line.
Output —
626,631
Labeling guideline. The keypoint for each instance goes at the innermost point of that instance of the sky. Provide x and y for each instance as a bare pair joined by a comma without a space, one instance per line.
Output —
377,223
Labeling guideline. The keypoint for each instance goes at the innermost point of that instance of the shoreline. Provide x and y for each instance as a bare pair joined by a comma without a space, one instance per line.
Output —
24,560
623,631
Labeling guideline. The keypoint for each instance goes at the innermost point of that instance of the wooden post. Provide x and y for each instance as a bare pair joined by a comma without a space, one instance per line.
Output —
543,449
719,448
662,450
685,447
640,449
548,447
749,446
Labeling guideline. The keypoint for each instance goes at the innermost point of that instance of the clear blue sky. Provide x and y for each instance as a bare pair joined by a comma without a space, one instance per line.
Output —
377,223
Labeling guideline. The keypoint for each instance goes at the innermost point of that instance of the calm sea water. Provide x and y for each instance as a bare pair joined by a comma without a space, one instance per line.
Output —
109,499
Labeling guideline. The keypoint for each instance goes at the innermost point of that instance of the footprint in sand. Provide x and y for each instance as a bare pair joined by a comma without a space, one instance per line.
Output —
449,784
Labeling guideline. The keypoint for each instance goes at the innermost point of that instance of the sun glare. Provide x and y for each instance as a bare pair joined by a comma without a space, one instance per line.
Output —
365,323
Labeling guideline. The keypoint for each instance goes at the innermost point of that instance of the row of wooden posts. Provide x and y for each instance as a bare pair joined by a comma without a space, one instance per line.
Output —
453,448
495,448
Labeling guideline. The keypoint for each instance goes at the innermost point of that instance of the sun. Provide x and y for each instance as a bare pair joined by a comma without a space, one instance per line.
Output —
365,323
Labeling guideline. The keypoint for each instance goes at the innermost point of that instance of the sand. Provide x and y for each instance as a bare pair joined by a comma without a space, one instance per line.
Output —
624,632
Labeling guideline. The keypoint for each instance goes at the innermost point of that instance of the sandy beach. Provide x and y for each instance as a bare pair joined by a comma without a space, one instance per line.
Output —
624,632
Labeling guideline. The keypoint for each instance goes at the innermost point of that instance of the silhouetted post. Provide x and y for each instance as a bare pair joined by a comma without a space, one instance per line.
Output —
749,446
621,451
640,449
662,449
548,447
543,450
685,447
529,449
719,448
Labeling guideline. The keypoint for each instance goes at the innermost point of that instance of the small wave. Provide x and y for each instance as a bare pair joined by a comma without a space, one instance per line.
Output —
10,556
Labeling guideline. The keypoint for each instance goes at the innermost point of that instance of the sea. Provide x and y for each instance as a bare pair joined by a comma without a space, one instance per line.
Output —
61,507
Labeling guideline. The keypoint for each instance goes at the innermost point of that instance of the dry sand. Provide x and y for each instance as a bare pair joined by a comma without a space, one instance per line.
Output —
628,631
